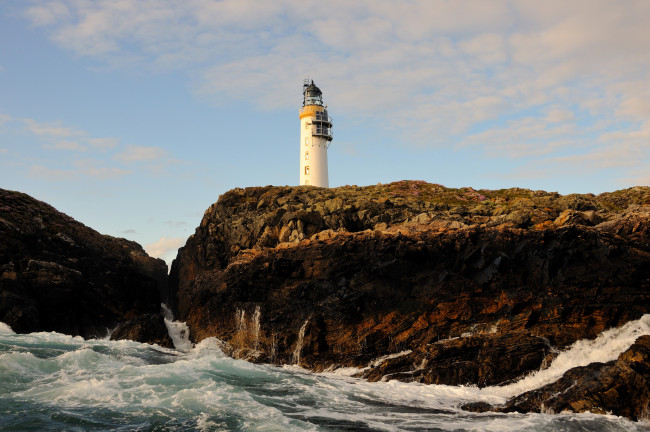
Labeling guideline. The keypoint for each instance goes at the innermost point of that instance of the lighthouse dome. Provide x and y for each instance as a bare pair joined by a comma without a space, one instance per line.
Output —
312,94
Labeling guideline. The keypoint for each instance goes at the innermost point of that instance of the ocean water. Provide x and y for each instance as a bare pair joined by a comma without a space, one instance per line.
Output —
54,382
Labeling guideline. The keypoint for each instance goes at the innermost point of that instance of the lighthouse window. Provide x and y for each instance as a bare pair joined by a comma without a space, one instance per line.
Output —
306,155
306,170
307,141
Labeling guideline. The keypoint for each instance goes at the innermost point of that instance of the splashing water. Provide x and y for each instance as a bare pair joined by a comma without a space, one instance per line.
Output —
241,319
53,382
301,337
178,330
5,329
606,347
256,326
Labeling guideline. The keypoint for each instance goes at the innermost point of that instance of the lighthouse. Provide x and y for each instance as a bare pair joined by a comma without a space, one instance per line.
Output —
315,137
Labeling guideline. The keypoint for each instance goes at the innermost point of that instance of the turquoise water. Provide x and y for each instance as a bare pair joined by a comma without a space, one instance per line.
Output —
54,382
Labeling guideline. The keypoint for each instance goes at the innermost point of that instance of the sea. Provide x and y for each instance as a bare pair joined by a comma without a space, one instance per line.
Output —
54,382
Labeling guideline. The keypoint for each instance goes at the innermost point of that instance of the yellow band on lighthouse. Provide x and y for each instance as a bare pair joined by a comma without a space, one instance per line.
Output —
310,110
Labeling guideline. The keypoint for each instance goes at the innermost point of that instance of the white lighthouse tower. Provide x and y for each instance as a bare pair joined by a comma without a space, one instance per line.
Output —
315,137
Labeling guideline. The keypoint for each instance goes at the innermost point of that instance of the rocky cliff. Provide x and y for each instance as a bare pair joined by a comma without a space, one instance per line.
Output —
413,281
620,387
58,275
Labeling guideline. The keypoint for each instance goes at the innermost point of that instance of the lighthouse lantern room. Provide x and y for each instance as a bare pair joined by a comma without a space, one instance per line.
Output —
315,137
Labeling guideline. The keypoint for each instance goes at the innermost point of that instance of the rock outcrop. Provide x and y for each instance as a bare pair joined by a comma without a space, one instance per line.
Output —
148,328
620,387
413,281
56,274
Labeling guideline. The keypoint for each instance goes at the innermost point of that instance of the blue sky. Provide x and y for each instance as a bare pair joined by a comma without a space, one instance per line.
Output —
133,116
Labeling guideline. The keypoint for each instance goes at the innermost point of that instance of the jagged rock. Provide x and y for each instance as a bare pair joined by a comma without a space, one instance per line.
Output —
620,387
413,281
58,275
482,359
148,328
478,407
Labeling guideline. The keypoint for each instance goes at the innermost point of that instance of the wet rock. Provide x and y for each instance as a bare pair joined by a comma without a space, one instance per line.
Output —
148,328
413,281
477,407
620,387
482,359
58,275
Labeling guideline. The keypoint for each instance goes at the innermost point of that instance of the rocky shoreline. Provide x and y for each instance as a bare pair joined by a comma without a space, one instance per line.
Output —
406,281
414,281
57,274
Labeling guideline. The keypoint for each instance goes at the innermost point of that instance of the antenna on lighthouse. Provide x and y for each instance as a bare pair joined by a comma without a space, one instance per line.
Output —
315,136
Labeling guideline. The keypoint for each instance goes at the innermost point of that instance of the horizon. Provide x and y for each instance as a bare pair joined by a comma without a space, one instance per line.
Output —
134,117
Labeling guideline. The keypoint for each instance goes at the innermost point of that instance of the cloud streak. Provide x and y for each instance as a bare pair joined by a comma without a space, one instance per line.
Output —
59,138
141,154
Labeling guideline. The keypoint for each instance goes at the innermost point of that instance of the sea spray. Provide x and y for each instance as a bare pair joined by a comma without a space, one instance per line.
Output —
301,336
5,329
256,326
178,330
606,347
241,319
57,382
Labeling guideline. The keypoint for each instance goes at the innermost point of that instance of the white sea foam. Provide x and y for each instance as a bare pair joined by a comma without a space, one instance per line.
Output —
297,352
5,329
178,330
96,381
606,347
345,371
256,326
376,362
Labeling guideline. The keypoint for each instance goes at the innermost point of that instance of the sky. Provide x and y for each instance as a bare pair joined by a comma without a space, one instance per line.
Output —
134,116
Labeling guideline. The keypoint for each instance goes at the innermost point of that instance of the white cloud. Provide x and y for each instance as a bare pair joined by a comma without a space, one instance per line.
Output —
92,168
603,158
65,145
141,154
105,158
50,173
165,248
488,48
103,143
47,13
84,168
637,178
526,137
57,136
4,119
558,115
515,79
51,130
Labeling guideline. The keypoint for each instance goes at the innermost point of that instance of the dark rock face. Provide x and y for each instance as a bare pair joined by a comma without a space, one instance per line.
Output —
620,387
148,327
413,281
58,275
